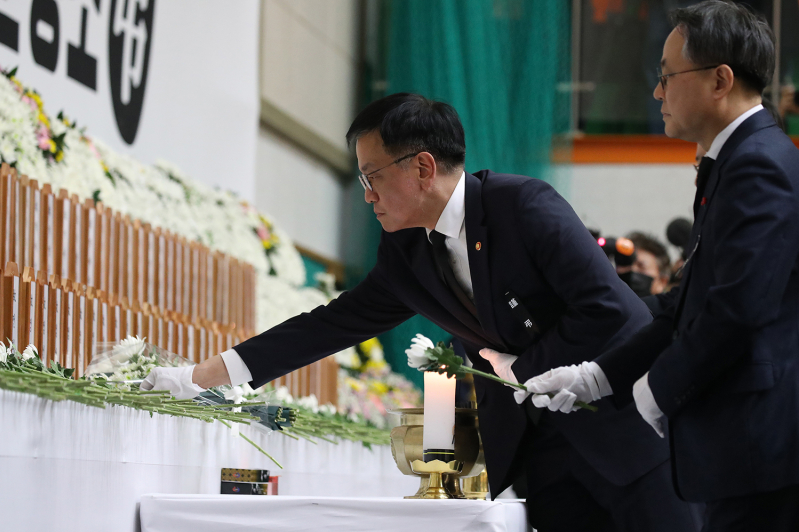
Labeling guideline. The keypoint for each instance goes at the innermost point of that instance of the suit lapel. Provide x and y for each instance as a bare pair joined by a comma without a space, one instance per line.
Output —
477,246
756,122
424,267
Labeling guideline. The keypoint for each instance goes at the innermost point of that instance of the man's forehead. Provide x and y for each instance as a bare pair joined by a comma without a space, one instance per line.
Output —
370,150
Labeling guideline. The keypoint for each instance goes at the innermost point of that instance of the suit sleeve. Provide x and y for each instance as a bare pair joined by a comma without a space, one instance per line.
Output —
369,309
600,309
628,362
755,249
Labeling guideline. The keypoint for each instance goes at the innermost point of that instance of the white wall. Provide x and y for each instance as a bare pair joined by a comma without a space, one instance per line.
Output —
302,196
308,70
620,198
309,62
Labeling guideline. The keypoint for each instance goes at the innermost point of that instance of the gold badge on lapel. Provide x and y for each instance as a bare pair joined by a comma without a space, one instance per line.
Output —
478,246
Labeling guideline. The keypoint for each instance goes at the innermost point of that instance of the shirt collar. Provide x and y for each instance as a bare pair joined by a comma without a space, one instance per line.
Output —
722,137
453,215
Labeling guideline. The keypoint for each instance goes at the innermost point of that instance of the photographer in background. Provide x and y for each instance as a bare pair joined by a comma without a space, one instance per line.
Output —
651,260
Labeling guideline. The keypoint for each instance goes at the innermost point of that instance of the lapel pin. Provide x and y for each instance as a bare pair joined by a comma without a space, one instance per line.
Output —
704,200
478,246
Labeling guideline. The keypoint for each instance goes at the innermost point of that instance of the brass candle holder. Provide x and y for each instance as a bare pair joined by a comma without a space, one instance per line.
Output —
439,479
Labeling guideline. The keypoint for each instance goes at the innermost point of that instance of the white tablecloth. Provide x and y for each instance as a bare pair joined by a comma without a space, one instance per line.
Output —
241,513
66,466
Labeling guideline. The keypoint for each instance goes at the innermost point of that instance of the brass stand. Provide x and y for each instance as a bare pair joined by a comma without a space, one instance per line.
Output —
439,479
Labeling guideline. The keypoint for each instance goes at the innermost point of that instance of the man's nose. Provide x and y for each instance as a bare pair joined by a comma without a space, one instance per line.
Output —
369,196
658,93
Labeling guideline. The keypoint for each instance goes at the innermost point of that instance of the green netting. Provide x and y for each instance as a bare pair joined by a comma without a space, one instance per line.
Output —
498,62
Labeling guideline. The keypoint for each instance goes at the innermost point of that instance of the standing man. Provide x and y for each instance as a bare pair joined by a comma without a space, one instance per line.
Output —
719,369
456,248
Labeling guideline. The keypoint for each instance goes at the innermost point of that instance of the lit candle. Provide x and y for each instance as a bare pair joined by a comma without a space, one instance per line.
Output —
439,416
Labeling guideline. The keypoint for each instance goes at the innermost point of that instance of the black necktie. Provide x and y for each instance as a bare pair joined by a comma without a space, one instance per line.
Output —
702,175
442,261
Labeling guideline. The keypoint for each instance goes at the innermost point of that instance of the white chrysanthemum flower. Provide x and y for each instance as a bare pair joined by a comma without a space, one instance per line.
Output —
129,346
282,395
235,394
4,352
310,402
328,409
30,352
417,357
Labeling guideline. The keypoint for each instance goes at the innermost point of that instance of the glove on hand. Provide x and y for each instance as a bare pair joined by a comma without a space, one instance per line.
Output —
177,381
501,362
568,383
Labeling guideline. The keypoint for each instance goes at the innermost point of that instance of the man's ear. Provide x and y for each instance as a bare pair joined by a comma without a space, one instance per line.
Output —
725,81
427,169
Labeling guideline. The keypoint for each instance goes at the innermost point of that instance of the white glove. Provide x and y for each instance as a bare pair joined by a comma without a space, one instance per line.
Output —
584,382
501,362
177,381
646,405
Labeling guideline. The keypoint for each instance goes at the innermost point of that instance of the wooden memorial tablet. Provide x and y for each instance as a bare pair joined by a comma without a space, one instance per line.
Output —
40,316
10,303
35,226
53,326
5,185
79,328
48,225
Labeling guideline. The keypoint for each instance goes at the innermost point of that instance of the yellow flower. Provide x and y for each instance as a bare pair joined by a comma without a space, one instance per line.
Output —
267,244
59,156
368,345
16,81
44,120
355,385
375,364
380,388
52,145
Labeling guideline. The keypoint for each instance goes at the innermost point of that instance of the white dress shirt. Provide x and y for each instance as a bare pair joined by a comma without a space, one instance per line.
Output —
451,223
725,133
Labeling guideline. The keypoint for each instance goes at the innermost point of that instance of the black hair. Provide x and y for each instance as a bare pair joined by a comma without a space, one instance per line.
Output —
717,32
411,123
649,243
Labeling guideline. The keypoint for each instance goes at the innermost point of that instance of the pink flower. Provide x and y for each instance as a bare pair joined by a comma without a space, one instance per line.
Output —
263,234
44,140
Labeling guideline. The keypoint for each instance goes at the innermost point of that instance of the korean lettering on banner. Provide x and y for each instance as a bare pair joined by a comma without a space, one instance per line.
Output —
127,41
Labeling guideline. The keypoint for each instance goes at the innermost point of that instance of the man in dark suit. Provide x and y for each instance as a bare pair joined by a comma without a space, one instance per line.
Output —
719,368
456,248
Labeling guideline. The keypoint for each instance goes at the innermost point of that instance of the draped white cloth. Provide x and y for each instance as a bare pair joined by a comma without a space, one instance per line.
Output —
224,513
66,466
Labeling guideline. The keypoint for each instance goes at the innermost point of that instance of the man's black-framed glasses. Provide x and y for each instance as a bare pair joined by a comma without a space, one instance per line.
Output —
664,78
366,181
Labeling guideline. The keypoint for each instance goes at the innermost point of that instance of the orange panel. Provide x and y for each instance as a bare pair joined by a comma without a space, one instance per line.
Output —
639,149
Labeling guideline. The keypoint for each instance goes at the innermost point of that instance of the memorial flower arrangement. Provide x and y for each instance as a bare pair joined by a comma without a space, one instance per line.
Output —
158,194
368,388
164,196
